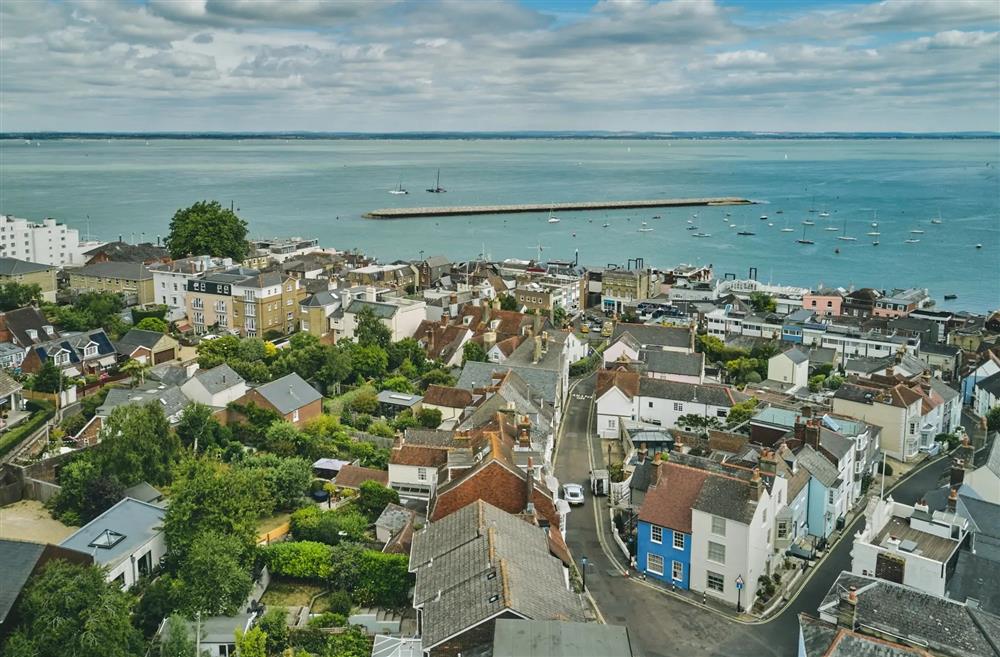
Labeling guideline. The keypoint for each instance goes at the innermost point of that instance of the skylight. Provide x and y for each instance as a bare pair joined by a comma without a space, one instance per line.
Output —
107,539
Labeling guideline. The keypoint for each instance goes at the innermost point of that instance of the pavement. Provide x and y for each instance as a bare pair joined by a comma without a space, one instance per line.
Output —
662,624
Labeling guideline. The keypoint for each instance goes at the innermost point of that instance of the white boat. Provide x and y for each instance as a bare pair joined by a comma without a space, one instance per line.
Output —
701,234
824,214
605,225
399,189
937,221
787,230
763,217
552,218
873,233
845,237
690,221
691,228
916,231
875,243
910,241
770,223
831,228
808,222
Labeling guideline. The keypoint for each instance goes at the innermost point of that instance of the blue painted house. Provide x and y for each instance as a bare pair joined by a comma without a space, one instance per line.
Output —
663,543
824,491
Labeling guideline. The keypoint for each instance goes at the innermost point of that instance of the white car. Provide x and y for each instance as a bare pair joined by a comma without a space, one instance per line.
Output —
573,493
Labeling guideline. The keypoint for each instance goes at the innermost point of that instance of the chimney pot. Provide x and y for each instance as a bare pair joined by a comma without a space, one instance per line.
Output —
953,500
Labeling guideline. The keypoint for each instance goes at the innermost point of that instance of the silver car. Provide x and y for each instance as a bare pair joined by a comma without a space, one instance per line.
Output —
573,493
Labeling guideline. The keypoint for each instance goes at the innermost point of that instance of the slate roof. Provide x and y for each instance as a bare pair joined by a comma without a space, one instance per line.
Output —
169,373
143,492
990,384
523,638
430,438
75,345
124,252
15,267
219,378
352,476
288,393
669,501
393,517
653,335
381,310
463,526
136,338
945,391
822,639
796,355
320,299
672,362
8,385
643,476
19,559
818,466
447,396
940,349
171,399
976,576
136,521
714,395
944,626
130,271
544,382
19,320
868,365
727,498
821,355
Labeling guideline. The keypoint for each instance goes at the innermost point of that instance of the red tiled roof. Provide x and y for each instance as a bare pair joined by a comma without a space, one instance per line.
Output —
352,476
627,382
447,396
419,455
508,346
668,503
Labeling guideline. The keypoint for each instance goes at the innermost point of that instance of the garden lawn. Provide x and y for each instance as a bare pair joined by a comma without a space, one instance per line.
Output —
335,405
283,592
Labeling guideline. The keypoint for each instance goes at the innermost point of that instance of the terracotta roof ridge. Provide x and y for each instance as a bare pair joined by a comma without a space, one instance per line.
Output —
708,473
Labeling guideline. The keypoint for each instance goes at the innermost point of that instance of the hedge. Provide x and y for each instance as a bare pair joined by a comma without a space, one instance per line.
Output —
12,438
588,364
298,559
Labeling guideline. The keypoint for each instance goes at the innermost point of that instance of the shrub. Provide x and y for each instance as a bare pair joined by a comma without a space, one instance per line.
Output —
328,619
340,603
885,468
43,412
384,580
298,559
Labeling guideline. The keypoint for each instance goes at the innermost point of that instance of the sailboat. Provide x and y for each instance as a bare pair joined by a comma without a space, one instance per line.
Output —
937,221
845,237
437,188
917,231
399,189
808,222
552,218
803,239
910,241
787,228
645,228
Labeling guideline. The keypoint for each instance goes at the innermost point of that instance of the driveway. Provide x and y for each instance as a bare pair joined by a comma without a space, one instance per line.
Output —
660,624
28,520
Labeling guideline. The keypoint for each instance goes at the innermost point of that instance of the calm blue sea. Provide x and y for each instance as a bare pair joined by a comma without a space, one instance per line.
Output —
322,187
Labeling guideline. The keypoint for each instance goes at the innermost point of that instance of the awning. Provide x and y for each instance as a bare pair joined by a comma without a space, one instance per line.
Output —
71,371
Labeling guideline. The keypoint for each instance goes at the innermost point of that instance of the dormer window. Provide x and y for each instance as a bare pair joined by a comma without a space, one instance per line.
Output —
32,333
61,358
90,350
49,330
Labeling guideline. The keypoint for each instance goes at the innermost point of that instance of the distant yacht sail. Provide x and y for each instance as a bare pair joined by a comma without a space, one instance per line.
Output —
399,189
437,188
803,239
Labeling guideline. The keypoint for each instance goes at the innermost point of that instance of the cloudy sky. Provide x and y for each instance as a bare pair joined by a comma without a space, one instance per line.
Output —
269,65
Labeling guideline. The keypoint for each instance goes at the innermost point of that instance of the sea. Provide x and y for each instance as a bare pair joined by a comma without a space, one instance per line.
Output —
130,188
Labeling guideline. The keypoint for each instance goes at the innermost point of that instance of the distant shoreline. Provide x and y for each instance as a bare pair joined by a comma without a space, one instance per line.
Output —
525,135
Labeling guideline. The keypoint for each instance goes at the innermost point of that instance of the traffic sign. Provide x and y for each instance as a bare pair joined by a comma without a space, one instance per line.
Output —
739,582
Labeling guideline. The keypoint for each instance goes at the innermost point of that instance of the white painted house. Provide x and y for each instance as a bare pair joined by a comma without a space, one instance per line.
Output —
216,387
127,540
790,367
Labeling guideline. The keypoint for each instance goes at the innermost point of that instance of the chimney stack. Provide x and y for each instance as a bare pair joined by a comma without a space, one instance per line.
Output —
529,487
953,500
812,432
524,432
537,354
642,452
957,473
756,485
847,610
768,463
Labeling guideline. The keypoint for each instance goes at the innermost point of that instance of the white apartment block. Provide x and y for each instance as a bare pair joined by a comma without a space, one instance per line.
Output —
47,243
170,279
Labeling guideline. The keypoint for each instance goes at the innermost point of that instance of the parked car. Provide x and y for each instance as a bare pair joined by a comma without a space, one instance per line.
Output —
573,493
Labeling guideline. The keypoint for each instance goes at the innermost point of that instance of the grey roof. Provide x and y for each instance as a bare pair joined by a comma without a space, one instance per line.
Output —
990,384
138,338
393,517
523,638
725,497
868,365
818,466
219,378
143,492
381,310
653,335
19,559
169,373
672,362
125,252
643,476
289,393
171,399
437,261
835,443
820,355
978,577
796,355
398,398
476,375
134,521
944,626
946,391
940,349
714,395
218,629
822,639
15,267
19,320
513,392
132,271
8,385
320,299
430,437
394,646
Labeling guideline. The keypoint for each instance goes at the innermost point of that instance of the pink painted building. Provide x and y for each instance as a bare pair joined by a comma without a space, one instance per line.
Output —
825,302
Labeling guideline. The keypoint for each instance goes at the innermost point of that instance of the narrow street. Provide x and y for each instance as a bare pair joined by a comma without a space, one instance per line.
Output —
662,625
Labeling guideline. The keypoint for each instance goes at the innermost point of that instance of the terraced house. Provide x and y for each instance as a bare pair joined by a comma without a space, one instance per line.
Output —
246,302
130,279
23,272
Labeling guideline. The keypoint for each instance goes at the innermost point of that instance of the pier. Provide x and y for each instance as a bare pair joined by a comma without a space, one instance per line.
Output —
585,206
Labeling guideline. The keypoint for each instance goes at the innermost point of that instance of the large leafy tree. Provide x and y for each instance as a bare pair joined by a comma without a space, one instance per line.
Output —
177,641
473,351
373,498
69,609
91,310
154,324
48,378
214,577
370,329
15,295
762,302
198,430
138,445
207,228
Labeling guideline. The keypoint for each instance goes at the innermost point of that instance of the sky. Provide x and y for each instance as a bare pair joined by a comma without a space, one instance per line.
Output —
498,65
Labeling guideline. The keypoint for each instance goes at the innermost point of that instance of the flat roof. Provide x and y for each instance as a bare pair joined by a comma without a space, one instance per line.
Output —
921,543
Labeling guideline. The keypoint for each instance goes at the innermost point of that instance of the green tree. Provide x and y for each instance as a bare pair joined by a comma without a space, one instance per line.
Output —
198,430
429,418
698,422
741,412
437,376
397,384
157,603
816,382
370,362
287,478
138,445
345,566
138,369
177,641
207,228
993,419
370,330
73,610
15,295
373,497
761,302
85,491
507,302
154,324
558,315
206,496
48,377
384,580
274,624
351,643
365,401
833,382
298,559
473,351
252,643
406,349
214,576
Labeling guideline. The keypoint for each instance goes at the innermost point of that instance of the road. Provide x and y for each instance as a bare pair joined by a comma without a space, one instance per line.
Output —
664,626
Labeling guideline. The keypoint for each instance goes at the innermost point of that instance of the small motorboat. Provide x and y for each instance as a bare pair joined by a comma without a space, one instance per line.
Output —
875,243
605,225
824,214
836,250
645,229
656,216
979,246
787,230
701,234
746,232
916,231
805,241
779,212
808,222
910,241
950,297
691,228
763,217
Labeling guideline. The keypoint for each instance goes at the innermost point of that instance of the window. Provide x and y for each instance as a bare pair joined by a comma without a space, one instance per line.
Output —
829,497
250,310
289,302
715,582
718,526
716,552
90,351
654,564
782,529
199,318
764,517
677,571
197,303
250,323
223,320
720,412
649,404
678,541
289,317
295,415
62,358
220,306
679,407
422,474
305,325
779,497
656,534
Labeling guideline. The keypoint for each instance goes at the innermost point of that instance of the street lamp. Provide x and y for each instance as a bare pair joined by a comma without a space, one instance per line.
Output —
583,562
739,593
